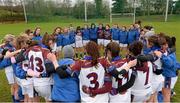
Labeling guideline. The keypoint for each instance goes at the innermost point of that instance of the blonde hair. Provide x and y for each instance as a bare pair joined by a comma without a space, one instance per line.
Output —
8,38
22,39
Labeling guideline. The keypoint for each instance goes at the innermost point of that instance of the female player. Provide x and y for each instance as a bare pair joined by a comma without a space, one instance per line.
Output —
37,57
48,42
107,35
157,79
29,32
78,43
132,36
56,33
93,33
85,34
100,33
121,91
37,35
95,83
115,33
9,41
168,64
142,89
20,70
123,36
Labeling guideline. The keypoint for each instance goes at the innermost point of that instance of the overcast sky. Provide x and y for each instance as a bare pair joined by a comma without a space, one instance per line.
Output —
74,1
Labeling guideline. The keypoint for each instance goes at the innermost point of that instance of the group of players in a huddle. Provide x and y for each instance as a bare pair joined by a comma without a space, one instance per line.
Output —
87,64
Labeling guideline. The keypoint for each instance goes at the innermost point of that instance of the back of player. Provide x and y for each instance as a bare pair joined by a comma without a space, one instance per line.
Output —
37,57
142,88
93,77
125,96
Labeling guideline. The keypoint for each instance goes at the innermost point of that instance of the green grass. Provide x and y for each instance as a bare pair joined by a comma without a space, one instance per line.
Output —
171,28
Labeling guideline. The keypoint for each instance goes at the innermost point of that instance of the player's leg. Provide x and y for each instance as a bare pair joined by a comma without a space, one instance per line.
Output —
166,90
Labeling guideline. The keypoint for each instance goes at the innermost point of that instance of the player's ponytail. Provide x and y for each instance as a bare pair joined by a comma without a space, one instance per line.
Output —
173,39
93,51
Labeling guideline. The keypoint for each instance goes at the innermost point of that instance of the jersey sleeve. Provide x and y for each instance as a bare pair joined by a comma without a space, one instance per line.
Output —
105,63
129,83
77,65
18,71
45,52
167,61
5,63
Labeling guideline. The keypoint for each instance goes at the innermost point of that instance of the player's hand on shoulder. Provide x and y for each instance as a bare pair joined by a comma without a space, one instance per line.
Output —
86,89
132,63
51,57
158,53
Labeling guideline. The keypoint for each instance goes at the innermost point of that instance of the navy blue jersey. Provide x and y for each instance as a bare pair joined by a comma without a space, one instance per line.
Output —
123,36
115,33
85,34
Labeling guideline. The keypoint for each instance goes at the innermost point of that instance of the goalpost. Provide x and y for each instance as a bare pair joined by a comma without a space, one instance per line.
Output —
122,14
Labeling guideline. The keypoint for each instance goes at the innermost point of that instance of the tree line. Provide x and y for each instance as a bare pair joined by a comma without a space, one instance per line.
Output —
98,9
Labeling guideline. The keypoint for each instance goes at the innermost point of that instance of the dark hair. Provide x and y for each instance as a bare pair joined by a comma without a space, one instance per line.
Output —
93,51
35,31
113,47
136,47
148,27
138,22
46,38
55,30
92,25
173,40
162,40
32,43
154,39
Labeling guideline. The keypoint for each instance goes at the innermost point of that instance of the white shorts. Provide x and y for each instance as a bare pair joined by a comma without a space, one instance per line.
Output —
100,41
157,86
173,81
29,90
85,42
117,41
26,85
157,82
141,99
123,45
44,91
10,75
106,42
125,98
79,44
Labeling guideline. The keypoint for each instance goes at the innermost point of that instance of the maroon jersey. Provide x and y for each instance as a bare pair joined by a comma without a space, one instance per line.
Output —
100,33
107,34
